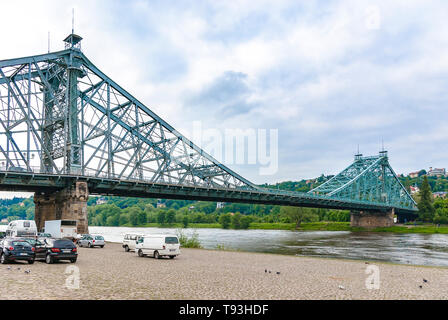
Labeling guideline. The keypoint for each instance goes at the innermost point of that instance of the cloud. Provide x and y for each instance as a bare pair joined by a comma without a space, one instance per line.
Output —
227,96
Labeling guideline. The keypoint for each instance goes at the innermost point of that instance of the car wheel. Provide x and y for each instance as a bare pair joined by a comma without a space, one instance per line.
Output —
90,245
102,246
49,259
140,253
172,257
126,248
3,259
72,260
156,255
30,261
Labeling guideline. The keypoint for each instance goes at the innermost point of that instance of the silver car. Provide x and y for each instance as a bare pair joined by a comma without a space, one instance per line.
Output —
89,240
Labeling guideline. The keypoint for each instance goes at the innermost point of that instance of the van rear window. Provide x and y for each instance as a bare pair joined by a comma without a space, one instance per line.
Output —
63,243
21,243
171,240
68,223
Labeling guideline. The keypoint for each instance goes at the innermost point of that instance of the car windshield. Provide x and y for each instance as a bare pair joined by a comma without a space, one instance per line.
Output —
99,238
171,240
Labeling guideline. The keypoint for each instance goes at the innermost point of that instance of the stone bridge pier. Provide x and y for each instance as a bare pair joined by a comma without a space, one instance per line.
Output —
67,204
368,219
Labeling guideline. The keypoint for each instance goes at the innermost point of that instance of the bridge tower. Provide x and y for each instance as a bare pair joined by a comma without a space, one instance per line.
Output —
368,219
61,138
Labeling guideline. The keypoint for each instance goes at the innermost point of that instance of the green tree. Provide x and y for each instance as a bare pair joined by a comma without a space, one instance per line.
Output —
141,217
133,217
236,221
245,222
185,221
224,220
123,219
30,213
161,217
170,216
113,220
425,205
297,215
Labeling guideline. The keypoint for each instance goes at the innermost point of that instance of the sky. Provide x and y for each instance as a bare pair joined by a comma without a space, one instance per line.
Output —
328,75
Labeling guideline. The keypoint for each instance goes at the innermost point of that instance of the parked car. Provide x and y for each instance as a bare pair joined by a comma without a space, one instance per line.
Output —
158,246
91,241
52,250
130,240
15,249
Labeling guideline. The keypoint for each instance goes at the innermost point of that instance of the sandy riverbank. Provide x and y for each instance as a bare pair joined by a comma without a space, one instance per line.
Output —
111,273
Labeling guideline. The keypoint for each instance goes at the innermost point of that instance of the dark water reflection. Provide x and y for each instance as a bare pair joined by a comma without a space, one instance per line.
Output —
416,249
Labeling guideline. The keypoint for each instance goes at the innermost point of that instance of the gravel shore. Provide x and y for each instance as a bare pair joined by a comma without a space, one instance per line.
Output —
111,273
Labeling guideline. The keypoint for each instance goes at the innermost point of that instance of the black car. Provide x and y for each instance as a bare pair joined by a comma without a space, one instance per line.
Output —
16,249
52,250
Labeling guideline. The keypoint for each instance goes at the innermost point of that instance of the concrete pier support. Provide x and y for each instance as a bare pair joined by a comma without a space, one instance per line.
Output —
67,204
372,219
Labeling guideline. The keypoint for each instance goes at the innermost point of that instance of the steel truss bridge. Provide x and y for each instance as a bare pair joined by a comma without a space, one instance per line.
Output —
62,120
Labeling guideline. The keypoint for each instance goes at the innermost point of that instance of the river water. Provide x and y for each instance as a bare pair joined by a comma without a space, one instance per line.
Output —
415,249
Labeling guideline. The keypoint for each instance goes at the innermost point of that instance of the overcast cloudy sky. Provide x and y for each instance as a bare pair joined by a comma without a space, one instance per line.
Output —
329,75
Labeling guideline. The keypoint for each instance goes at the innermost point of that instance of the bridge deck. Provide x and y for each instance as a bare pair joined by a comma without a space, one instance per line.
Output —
40,182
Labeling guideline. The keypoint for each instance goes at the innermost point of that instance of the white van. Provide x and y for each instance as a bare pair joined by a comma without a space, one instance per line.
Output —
130,240
21,228
61,228
158,245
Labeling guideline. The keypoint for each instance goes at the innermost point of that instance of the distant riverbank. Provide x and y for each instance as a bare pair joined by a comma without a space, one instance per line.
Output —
311,226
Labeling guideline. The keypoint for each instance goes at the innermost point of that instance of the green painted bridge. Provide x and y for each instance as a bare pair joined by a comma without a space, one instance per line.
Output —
65,124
